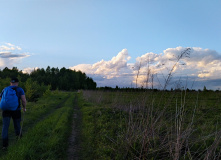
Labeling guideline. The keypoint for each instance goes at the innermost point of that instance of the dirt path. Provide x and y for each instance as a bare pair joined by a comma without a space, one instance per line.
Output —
73,149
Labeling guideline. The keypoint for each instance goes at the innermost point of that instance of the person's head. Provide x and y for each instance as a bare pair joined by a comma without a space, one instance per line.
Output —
14,81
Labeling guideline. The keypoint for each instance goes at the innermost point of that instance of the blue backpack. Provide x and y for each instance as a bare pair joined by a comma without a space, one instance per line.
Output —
10,100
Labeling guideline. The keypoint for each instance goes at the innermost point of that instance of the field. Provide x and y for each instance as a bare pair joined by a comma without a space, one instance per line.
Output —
120,125
152,125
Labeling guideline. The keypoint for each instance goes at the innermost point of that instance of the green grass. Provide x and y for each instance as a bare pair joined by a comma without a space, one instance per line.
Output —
100,129
146,125
120,125
47,129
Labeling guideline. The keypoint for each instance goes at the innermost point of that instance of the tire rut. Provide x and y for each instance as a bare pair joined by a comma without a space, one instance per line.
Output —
44,116
74,139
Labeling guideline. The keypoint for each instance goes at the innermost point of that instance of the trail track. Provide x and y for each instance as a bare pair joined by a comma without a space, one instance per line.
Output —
73,142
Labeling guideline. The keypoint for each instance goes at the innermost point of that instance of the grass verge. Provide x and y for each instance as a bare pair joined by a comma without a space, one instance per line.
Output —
100,132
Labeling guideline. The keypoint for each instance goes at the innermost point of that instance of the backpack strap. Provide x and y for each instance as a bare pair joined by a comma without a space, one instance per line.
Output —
15,89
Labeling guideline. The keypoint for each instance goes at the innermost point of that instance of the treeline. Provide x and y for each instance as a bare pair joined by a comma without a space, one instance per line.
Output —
62,79
40,81
141,89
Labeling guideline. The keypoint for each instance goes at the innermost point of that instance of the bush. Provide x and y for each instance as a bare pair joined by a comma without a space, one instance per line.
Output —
33,90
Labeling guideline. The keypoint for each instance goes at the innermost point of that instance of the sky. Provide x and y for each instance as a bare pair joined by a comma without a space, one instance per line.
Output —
123,43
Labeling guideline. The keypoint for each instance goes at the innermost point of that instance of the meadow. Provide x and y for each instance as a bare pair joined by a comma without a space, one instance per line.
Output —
152,125
120,125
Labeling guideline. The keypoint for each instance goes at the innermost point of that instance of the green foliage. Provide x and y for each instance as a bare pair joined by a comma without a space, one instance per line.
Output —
41,81
4,83
48,91
63,79
33,90
14,72
30,89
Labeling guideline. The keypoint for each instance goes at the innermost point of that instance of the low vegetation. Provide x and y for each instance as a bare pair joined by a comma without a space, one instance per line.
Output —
121,125
152,125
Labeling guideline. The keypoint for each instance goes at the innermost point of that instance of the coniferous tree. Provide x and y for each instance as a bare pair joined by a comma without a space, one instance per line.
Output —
63,79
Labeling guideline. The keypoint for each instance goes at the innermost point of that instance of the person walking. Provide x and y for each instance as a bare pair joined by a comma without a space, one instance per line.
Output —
15,114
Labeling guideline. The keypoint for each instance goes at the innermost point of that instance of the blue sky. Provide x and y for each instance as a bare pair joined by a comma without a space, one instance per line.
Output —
88,33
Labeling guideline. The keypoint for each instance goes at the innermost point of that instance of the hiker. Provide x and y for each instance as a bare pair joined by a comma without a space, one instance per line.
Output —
9,111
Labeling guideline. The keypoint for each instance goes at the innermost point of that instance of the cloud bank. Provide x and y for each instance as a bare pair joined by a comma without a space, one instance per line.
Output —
201,68
116,71
10,55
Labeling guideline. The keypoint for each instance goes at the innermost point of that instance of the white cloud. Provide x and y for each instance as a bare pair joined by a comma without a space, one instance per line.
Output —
2,63
9,47
203,65
109,69
11,55
29,70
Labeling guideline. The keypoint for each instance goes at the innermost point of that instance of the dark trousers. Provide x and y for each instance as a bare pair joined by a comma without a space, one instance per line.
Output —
16,117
